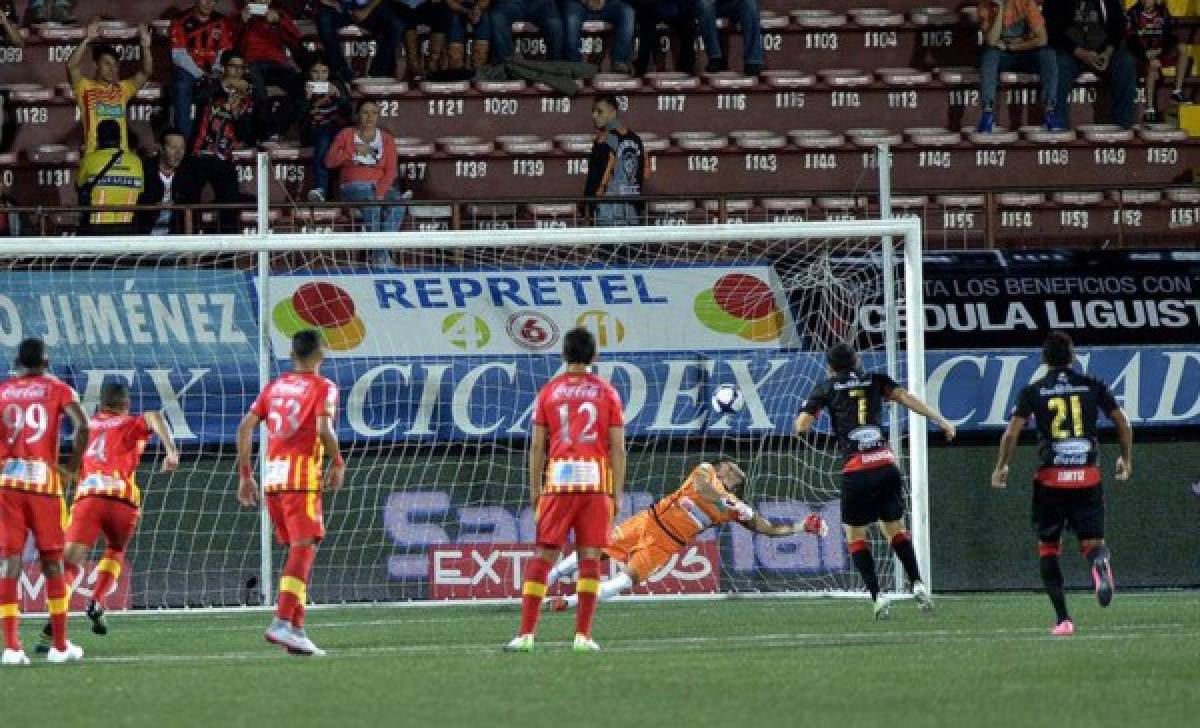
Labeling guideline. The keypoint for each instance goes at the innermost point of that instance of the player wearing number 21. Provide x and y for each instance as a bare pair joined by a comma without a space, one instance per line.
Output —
299,408
1066,487
872,487
576,488
31,492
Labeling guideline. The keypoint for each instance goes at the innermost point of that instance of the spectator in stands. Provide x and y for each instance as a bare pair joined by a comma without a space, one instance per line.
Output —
1014,38
681,25
618,13
366,156
11,224
374,16
542,13
326,111
265,41
198,38
109,176
164,175
52,11
1152,41
616,167
9,22
742,12
1089,35
432,15
459,15
106,96
225,124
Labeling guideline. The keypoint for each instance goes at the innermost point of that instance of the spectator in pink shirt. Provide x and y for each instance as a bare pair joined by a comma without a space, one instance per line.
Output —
366,156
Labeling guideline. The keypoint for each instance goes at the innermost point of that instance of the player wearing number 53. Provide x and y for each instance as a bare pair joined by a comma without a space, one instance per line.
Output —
872,486
1066,488
299,409
578,424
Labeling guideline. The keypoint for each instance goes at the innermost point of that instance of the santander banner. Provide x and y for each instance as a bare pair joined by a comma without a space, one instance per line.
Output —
495,571
31,590
507,312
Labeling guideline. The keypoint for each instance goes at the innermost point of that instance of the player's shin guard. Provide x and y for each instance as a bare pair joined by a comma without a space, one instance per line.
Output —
293,583
902,545
860,552
1052,579
56,604
107,573
587,589
10,613
532,593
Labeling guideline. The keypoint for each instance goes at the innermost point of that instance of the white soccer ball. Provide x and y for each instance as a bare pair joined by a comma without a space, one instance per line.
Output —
727,400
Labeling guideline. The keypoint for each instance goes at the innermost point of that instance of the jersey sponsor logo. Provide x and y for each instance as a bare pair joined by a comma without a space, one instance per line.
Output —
1057,477
99,481
279,473
866,437
30,472
1074,451
695,512
29,391
574,472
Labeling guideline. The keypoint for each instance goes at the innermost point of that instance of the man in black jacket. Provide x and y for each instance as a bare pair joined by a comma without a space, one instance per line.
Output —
1089,35
163,173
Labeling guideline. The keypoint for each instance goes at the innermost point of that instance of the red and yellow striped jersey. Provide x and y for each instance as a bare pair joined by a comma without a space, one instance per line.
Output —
291,405
577,411
31,409
99,101
115,445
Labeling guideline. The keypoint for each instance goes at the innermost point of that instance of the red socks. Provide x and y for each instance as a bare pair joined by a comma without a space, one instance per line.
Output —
293,584
533,592
108,571
10,613
586,589
56,603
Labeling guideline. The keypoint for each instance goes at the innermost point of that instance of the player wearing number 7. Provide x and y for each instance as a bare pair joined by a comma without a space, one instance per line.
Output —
31,492
872,486
1066,488
299,409
574,489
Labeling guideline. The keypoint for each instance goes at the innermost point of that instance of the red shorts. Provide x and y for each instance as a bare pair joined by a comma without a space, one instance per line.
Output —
93,515
297,516
45,515
589,515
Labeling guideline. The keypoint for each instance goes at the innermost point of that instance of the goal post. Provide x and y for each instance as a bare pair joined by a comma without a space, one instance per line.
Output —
438,357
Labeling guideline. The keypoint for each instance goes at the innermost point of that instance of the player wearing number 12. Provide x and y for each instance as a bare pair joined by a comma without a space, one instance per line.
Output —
1066,488
573,490
31,492
299,409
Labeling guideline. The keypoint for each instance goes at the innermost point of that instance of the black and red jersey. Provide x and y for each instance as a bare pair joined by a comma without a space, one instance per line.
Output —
204,39
855,403
1065,406
224,126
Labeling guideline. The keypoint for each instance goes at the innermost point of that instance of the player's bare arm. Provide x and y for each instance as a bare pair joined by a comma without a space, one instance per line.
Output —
79,442
804,423
537,464
1008,446
247,487
336,474
74,75
1125,437
158,425
147,69
902,396
616,449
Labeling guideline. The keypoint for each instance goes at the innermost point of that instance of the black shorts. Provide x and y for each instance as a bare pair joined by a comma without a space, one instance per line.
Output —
1080,509
872,495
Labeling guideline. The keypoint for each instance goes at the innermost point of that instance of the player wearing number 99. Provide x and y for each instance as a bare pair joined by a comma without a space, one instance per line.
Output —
575,489
299,409
872,486
31,492
1066,488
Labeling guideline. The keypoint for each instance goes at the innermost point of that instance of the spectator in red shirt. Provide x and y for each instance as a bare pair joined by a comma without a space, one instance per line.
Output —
198,38
269,42
366,156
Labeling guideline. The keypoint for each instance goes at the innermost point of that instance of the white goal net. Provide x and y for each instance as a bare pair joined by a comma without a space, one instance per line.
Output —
438,356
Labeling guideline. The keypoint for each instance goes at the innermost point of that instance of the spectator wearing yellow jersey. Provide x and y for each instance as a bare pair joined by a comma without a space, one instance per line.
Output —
109,177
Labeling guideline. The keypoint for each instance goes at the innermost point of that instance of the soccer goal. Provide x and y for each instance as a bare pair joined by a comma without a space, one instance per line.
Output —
438,357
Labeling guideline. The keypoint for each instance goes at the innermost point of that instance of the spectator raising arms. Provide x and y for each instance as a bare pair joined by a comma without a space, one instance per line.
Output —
225,124
106,96
198,38
265,42
326,111
1014,39
366,156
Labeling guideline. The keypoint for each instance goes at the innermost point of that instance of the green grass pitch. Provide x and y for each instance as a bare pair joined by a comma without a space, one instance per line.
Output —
976,661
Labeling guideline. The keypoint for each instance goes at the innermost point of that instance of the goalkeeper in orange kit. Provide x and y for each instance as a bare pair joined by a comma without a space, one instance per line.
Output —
645,542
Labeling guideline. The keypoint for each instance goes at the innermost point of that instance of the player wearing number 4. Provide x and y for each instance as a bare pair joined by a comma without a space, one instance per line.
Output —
1066,488
872,486
31,492
107,498
643,544
299,409
573,490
